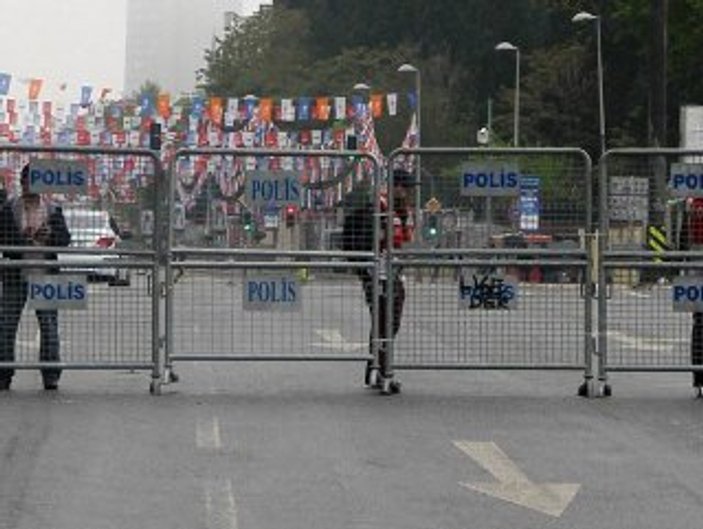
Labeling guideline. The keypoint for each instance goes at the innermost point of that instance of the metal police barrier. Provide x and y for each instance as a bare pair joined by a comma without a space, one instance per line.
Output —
499,274
108,317
256,271
649,306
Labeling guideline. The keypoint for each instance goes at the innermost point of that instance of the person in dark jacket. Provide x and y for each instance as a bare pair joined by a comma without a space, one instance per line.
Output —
358,236
690,237
28,220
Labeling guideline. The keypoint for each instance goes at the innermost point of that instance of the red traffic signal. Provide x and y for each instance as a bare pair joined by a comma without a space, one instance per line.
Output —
289,214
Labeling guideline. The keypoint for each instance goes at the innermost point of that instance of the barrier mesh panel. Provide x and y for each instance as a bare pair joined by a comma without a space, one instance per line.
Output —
91,306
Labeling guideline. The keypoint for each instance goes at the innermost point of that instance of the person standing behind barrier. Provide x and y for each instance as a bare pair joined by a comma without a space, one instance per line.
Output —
357,235
690,235
28,220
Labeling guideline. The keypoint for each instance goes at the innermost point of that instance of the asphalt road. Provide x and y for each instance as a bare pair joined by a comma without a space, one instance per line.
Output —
304,446
283,445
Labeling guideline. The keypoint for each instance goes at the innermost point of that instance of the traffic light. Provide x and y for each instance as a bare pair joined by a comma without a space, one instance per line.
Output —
289,215
432,226
155,137
247,222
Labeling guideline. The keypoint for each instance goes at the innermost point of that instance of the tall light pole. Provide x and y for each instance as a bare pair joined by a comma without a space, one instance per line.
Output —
409,68
584,16
507,46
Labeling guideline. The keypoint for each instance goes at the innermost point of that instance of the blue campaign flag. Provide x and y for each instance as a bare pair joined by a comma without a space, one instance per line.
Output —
303,108
5,79
198,106
64,137
147,105
358,106
29,137
249,106
86,95
412,100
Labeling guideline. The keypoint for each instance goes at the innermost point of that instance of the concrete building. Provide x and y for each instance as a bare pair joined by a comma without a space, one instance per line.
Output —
167,39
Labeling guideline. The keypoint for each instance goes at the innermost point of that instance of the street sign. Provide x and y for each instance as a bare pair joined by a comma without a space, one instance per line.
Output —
433,205
628,198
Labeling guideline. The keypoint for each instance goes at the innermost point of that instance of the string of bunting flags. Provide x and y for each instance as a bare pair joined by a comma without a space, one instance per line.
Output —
199,121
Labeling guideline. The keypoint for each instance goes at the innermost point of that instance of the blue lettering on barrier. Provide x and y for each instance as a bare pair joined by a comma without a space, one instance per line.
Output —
491,180
273,291
272,191
687,181
692,293
57,291
49,177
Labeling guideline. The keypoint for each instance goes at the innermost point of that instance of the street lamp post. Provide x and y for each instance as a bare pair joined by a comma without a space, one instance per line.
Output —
409,68
584,16
507,46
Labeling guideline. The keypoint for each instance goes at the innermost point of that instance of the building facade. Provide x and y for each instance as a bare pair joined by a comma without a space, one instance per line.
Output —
167,40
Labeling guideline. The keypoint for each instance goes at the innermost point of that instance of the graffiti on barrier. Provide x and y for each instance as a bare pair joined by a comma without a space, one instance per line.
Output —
488,292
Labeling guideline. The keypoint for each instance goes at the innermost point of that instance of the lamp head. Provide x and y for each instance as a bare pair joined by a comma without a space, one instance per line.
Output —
583,16
407,68
505,46
361,86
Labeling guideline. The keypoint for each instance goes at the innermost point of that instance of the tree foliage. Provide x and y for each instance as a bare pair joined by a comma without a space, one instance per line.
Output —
323,47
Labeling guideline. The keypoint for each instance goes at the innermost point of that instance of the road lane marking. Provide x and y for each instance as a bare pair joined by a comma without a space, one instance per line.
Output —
220,507
207,434
641,343
35,343
333,339
512,485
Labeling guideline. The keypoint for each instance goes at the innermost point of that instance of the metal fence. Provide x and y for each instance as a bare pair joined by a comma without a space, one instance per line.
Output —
642,323
239,255
256,272
108,314
497,275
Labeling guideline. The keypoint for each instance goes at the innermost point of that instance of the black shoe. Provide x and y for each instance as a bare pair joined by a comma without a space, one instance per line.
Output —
5,384
51,385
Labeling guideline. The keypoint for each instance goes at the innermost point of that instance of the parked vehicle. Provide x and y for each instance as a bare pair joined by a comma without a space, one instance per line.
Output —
94,229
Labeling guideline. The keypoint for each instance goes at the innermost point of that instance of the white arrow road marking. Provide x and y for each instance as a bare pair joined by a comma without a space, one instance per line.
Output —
645,344
207,434
220,508
333,339
512,484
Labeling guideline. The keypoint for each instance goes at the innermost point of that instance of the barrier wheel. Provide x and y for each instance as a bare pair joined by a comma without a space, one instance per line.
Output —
173,377
607,390
390,386
583,390
155,387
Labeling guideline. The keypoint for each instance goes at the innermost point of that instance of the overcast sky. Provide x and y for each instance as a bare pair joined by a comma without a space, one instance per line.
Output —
63,41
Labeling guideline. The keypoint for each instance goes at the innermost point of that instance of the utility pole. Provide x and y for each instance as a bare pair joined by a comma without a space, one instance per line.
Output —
657,129
658,78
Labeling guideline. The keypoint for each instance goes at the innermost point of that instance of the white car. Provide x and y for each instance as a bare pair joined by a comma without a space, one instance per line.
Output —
92,229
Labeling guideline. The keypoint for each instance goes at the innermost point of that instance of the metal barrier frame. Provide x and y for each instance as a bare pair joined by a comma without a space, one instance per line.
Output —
149,259
579,258
186,258
610,259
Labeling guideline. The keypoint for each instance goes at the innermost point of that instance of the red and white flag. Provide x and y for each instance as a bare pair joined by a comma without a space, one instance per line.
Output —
410,141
